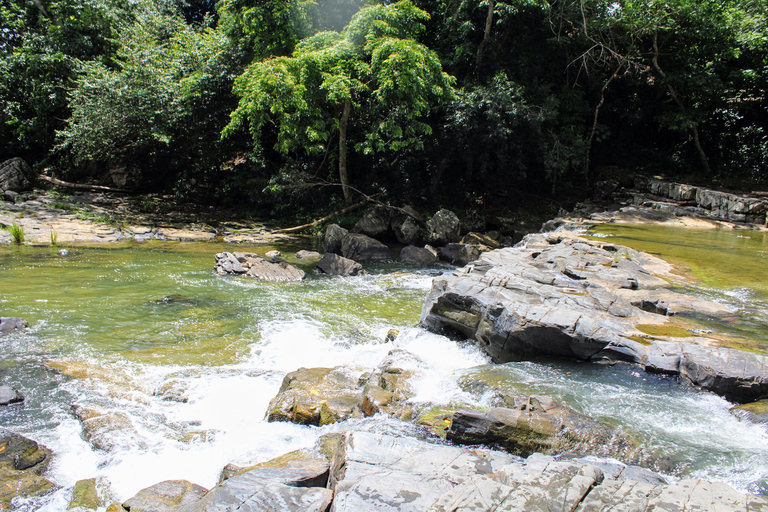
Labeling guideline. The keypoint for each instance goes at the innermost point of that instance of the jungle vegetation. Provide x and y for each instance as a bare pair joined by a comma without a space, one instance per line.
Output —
273,103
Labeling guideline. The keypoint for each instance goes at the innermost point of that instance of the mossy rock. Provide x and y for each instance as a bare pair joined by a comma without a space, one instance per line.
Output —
755,411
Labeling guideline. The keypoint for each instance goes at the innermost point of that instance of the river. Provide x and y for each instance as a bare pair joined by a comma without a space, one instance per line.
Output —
123,328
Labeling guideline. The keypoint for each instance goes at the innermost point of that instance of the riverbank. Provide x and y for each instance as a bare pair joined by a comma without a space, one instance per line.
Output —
106,218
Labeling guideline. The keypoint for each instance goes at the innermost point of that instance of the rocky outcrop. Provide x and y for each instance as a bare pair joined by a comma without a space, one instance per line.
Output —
11,324
560,295
253,265
16,175
713,203
22,462
335,265
354,246
390,223
168,496
443,228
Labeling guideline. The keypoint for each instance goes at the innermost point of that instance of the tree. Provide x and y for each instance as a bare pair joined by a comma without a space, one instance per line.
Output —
375,71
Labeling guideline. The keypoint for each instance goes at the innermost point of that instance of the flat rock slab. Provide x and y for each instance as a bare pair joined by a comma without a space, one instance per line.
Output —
384,473
561,295
22,461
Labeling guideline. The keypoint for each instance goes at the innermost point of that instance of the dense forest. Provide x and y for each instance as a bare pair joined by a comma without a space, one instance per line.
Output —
272,104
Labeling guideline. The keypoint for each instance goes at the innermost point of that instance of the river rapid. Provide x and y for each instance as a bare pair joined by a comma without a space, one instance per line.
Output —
124,328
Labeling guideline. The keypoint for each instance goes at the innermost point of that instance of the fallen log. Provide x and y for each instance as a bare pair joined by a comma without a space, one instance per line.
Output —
323,220
80,186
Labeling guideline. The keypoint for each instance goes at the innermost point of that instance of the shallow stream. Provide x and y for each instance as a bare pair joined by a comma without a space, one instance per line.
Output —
122,328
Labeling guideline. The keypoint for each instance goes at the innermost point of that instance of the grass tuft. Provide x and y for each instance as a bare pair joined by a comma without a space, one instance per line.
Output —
17,233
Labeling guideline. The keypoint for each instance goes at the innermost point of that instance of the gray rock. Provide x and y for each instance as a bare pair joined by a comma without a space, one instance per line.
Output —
360,247
268,489
459,254
565,296
412,255
374,222
443,228
406,225
308,255
334,236
335,265
252,265
168,496
12,324
16,175
8,396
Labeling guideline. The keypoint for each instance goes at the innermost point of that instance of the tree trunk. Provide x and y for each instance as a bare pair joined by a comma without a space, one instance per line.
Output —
591,140
343,176
694,128
486,37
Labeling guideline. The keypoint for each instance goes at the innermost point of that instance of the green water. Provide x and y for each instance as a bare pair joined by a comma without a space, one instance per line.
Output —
112,325
719,258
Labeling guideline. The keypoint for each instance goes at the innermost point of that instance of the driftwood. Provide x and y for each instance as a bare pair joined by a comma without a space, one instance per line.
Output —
80,186
325,219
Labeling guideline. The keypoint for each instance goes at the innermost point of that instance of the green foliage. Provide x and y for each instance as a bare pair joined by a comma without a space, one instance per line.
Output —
390,81
54,237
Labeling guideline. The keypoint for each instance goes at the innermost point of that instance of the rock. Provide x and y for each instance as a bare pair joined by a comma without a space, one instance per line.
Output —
22,461
354,246
755,411
412,255
335,265
443,228
392,335
9,396
385,473
85,496
168,496
308,255
11,324
541,425
334,236
104,430
482,242
360,247
317,396
471,221
459,254
560,295
374,222
406,225
16,175
252,265
268,489
310,460
273,255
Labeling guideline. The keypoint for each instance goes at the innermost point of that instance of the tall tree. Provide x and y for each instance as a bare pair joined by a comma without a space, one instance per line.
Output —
375,71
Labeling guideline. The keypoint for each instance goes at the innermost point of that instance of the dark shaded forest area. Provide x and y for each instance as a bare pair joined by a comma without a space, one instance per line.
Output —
295,107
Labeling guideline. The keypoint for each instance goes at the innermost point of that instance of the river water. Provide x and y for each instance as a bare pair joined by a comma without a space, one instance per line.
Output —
114,328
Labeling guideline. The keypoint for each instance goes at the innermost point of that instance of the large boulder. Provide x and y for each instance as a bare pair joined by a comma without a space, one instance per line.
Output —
412,255
168,496
459,254
22,462
10,324
406,225
443,228
561,295
16,175
374,222
335,265
274,270
354,246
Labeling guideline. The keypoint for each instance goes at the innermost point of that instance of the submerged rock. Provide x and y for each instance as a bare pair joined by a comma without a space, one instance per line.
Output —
561,295
9,396
755,411
12,324
253,265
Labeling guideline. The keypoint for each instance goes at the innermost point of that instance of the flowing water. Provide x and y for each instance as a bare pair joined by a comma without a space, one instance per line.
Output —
122,328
